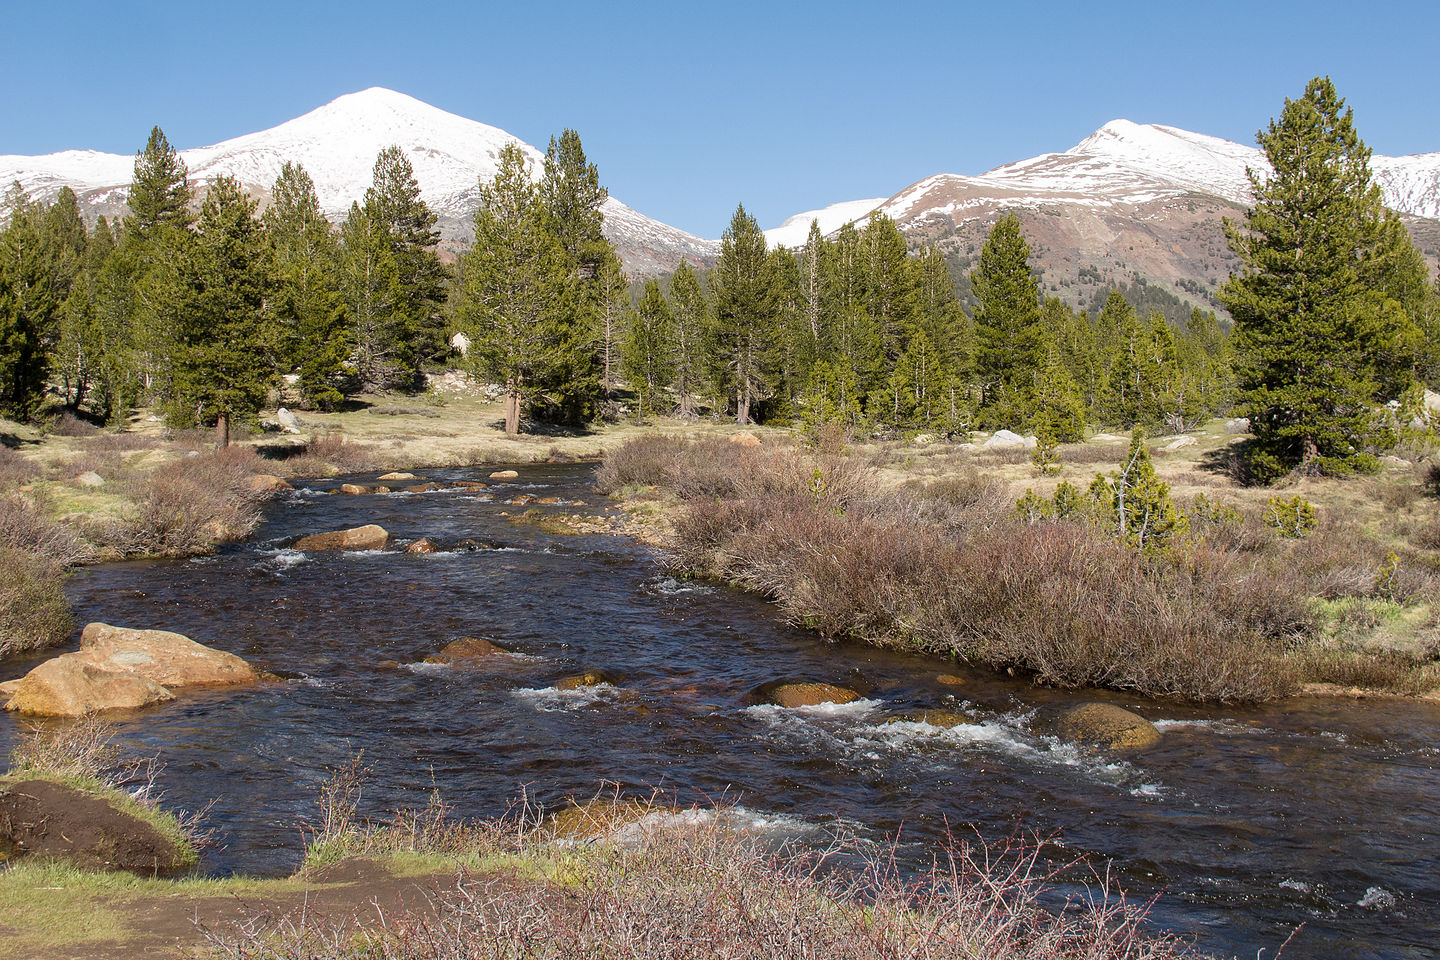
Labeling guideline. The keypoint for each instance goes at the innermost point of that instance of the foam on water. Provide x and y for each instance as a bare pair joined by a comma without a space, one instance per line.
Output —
1376,898
671,587
284,558
1221,727
428,669
550,699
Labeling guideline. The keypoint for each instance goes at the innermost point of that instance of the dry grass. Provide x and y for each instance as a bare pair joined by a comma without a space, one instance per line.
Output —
16,468
34,613
689,884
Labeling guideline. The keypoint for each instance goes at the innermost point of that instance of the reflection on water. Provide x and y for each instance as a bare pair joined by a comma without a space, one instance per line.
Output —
1245,823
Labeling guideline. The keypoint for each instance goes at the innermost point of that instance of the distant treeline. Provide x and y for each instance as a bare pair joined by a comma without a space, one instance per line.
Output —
201,313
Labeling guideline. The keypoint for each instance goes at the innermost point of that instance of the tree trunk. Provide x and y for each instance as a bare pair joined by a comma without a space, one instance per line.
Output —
742,406
512,408
222,431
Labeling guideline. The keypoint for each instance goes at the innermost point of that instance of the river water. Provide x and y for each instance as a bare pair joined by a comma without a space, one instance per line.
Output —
1242,823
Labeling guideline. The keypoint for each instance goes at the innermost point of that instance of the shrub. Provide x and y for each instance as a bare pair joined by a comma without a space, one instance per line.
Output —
25,529
687,883
34,613
69,425
16,468
1294,518
187,506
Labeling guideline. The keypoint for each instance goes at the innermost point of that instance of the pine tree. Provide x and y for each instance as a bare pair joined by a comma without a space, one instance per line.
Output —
572,196
413,332
1007,328
745,319
889,283
78,354
307,303
648,349
1314,329
690,314
370,290
225,362
158,242
516,305
1134,503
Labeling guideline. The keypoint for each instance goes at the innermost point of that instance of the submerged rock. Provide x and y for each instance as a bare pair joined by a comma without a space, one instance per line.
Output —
466,648
935,718
807,694
47,820
590,678
369,537
422,546
596,818
1109,725
422,488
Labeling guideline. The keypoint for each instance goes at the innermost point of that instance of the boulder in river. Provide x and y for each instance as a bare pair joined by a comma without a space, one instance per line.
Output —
466,648
422,488
72,686
399,475
369,537
808,694
267,483
169,659
355,489
504,475
422,546
468,485
1109,725
597,818
47,820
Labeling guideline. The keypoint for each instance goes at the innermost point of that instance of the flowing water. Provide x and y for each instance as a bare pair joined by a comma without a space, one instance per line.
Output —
1242,823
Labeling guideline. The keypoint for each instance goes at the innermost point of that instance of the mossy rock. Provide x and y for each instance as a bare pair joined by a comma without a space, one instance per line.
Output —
590,678
1108,725
596,818
935,718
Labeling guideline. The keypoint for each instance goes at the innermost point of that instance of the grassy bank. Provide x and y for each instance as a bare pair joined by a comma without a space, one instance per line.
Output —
621,878
923,549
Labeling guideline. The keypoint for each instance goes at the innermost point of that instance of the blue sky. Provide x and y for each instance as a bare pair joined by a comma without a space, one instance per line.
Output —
690,108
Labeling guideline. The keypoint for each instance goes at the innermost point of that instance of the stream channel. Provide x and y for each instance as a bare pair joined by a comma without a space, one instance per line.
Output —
1244,823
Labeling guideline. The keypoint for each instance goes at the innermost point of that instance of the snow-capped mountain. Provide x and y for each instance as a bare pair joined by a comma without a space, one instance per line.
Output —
337,145
1122,163
1131,201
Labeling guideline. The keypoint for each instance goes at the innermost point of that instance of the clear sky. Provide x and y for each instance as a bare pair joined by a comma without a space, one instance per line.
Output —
689,108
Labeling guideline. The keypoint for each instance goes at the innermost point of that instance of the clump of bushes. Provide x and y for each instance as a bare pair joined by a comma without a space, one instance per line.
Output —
34,613
1115,588
188,505
326,454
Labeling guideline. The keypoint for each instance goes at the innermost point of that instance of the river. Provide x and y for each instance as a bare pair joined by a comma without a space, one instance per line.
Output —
1242,824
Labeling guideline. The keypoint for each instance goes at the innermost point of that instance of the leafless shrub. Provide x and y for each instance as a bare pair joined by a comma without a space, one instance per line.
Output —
187,506
696,887
82,749
69,425
34,613
1398,671
26,529
1087,453
123,442
16,468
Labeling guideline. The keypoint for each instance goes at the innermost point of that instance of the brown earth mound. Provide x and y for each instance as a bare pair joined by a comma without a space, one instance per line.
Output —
48,820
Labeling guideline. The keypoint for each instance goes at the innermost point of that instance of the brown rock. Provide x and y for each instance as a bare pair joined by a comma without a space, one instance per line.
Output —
468,485
355,489
422,546
466,648
368,537
745,439
547,500
422,488
521,500
47,820
1109,725
951,680
810,694
71,686
504,475
398,476
169,659
266,483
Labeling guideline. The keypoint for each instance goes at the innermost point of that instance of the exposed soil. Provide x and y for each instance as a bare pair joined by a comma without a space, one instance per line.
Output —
42,819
